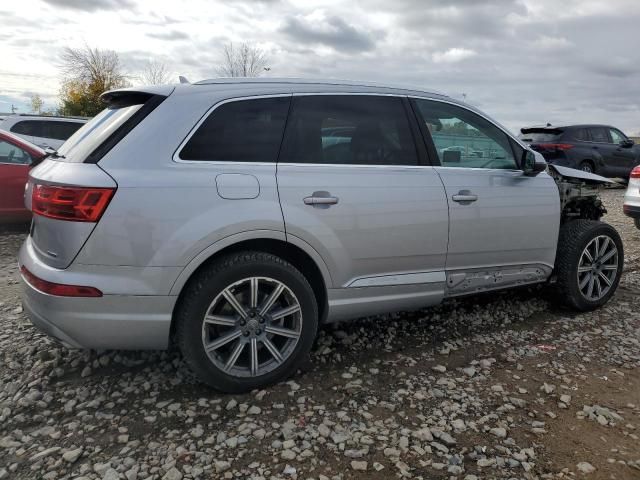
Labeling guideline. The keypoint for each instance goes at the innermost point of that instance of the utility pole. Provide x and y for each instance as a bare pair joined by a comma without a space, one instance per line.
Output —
13,109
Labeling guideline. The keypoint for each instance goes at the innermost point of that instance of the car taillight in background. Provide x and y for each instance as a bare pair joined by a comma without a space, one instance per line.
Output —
76,204
635,173
58,289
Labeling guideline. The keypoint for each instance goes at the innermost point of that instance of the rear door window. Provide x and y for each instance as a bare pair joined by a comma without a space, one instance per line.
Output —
349,130
240,131
599,134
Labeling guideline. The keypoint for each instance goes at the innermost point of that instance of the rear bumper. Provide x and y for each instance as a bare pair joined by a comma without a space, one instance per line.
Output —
113,321
632,211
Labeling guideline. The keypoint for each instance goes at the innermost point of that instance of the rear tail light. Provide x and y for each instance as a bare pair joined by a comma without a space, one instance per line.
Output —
555,146
77,204
58,289
635,173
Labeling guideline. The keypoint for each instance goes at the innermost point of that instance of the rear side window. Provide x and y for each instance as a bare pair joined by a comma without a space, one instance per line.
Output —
35,128
351,130
240,131
62,130
599,134
581,134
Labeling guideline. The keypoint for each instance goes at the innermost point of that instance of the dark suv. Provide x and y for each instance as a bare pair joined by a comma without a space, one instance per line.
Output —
592,148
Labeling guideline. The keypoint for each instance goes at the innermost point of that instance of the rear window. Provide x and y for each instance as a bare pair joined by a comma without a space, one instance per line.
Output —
240,131
78,147
540,136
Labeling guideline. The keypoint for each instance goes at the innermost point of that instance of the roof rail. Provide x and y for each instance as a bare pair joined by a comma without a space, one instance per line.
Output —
294,80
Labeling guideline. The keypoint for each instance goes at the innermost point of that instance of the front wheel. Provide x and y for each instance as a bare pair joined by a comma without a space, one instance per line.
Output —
589,263
246,321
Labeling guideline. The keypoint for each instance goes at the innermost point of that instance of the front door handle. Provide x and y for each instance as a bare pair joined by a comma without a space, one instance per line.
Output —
320,200
464,197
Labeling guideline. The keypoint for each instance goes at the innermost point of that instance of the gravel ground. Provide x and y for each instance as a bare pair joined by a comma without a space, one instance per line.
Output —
496,386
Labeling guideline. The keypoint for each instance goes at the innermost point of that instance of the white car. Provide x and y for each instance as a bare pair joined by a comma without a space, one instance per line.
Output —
631,205
44,131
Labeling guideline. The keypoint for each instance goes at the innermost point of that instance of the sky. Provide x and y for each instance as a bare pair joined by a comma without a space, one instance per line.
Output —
523,62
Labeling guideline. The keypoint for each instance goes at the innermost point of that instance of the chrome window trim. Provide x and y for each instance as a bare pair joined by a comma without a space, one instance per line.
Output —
176,155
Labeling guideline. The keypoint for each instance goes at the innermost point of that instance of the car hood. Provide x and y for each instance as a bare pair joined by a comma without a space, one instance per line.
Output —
579,174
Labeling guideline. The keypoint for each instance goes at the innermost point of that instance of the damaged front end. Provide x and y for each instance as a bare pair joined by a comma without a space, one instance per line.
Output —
579,193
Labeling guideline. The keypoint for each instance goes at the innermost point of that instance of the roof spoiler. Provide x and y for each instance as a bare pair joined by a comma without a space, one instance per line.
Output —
124,97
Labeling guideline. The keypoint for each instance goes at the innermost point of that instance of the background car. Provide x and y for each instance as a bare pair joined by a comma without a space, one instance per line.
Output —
631,205
17,156
44,131
597,149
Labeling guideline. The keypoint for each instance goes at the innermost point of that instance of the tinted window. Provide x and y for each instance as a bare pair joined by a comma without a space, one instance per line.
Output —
62,130
465,139
352,130
599,134
240,131
29,127
539,137
617,136
581,134
10,153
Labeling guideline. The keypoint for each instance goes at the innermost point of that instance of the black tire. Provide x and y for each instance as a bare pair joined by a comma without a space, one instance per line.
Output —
636,221
587,166
574,238
209,284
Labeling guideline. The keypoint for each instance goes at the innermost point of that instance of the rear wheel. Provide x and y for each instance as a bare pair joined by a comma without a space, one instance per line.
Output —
588,264
587,166
247,321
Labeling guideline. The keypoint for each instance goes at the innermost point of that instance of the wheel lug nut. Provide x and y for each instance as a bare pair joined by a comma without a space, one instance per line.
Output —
262,320
242,322
258,332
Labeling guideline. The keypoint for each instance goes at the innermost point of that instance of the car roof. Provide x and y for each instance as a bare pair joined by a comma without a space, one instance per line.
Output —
26,116
22,143
565,126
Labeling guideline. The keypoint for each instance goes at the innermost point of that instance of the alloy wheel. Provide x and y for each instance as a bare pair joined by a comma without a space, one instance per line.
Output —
252,327
597,268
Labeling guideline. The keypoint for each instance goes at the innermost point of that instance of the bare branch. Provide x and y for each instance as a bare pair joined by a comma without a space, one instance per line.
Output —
155,73
244,61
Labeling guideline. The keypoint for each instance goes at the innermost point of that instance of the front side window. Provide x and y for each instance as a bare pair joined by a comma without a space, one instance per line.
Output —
240,131
464,139
349,130
617,136
12,154
599,134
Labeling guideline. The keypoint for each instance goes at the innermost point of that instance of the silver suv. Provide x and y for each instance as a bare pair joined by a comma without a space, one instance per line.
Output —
233,217
42,130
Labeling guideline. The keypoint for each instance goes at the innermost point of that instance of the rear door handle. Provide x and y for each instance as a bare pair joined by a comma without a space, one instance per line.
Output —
320,200
464,197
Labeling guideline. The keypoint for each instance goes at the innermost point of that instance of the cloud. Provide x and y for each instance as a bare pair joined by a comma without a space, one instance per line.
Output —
453,55
331,31
169,35
91,5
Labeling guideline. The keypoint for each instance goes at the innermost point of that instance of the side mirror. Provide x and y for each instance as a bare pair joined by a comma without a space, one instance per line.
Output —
628,143
451,156
531,164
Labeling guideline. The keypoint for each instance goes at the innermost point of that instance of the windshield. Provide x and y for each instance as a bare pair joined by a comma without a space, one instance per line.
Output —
94,132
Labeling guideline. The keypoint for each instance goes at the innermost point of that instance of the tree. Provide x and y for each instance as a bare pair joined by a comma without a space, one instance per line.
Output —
244,61
36,103
88,72
155,73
